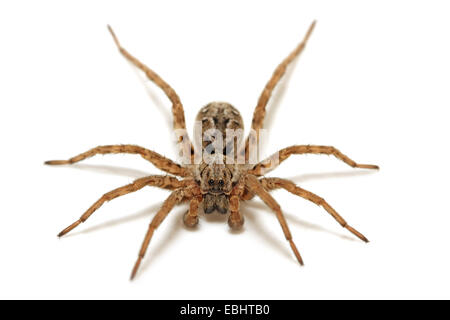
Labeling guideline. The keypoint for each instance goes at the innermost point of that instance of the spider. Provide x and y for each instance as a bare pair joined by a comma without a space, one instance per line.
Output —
215,185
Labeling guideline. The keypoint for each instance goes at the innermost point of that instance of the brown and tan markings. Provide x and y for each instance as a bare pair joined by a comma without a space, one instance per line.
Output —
216,186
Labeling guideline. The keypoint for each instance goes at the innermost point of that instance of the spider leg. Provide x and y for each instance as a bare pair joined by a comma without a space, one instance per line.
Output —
165,182
236,219
190,218
158,160
253,183
247,195
260,110
274,160
275,183
174,198
177,107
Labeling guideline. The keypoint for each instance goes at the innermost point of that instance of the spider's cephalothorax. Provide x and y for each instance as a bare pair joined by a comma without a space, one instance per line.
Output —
217,183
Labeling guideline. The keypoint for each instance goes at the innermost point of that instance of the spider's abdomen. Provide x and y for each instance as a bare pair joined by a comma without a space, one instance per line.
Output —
219,118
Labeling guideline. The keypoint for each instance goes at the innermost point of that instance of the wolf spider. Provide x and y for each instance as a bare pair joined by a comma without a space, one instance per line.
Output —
217,186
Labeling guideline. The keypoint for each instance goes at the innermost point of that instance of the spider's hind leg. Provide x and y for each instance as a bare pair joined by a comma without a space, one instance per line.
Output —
179,122
260,109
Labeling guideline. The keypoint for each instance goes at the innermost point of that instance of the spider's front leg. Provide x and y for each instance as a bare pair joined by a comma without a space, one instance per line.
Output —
276,183
190,192
275,160
255,186
165,182
174,198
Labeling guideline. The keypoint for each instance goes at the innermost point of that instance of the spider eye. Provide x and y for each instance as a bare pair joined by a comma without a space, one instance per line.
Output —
211,182
221,182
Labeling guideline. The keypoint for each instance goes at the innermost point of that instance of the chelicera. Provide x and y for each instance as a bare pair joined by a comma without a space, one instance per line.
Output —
218,176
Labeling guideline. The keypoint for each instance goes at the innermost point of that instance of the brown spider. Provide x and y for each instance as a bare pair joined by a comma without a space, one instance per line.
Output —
218,186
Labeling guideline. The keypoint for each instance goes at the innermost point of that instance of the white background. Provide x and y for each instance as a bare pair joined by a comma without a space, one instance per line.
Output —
373,81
